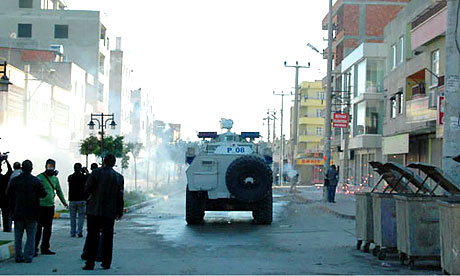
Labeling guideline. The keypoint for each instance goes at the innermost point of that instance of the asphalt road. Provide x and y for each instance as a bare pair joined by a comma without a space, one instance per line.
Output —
155,240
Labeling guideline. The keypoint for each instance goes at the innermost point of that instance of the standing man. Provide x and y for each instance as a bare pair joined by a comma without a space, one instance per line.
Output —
16,170
45,221
77,203
4,180
332,179
104,190
25,192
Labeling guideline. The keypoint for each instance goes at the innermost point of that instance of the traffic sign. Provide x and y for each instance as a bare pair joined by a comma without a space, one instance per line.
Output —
340,120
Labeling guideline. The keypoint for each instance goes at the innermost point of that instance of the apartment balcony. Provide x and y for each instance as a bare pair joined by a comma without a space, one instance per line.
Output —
311,121
314,102
418,110
310,138
366,141
429,25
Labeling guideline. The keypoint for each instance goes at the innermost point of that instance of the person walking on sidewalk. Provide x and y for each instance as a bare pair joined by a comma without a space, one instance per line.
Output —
4,205
24,192
332,177
45,221
77,203
104,190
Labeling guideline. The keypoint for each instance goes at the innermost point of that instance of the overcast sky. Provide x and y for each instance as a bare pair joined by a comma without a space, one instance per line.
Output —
209,59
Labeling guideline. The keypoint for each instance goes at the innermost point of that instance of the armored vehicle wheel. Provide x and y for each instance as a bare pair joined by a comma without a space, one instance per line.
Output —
263,213
249,178
194,209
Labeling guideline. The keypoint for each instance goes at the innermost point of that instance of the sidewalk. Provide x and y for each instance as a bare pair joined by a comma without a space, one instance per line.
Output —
345,205
6,246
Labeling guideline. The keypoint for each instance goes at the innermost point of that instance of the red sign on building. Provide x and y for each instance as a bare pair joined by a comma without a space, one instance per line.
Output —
441,110
340,120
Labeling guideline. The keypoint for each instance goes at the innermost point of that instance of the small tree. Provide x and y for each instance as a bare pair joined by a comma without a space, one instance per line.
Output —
134,149
90,145
124,160
113,145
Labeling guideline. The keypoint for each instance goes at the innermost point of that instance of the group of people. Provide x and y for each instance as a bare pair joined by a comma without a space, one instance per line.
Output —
28,201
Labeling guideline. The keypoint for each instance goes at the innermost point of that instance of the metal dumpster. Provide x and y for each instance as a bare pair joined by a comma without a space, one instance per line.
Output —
449,228
415,182
417,227
417,216
365,223
364,220
384,212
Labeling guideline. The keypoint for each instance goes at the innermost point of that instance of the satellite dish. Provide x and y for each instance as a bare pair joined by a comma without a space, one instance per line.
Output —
13,35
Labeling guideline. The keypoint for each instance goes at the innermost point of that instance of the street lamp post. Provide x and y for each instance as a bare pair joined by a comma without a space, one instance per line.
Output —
102,124
4,80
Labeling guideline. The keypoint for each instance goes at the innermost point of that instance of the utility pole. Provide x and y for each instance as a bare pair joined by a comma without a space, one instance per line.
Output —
296,107
268,118
327,116
451,146
281,161
346,131
274,125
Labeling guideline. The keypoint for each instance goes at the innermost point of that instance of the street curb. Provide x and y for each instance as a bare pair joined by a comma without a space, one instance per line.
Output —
321,206
6,251
334,212
125,210
139,205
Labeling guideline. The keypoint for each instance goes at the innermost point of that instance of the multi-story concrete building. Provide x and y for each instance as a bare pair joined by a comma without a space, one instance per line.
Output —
357,22
43,71
414,83
121,87
309,153
79,35
363,70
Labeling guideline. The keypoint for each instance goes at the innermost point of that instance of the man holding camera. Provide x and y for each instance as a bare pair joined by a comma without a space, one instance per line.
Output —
45,221
4,180
77,202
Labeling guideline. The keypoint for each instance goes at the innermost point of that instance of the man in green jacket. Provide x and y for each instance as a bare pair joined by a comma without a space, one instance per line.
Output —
45,221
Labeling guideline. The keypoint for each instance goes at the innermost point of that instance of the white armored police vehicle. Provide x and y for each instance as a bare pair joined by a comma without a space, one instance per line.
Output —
229,172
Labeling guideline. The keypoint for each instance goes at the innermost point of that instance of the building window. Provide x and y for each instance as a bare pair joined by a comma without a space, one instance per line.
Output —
61,31
375,74
400,103
319,131
319,113
393,107
24,30
100,94
401,49
368,117
320,95
434,67
25,4
393,56
101,63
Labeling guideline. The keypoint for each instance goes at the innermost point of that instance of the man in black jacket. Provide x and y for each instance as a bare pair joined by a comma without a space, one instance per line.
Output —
4,205
24,193
77,203
104,190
